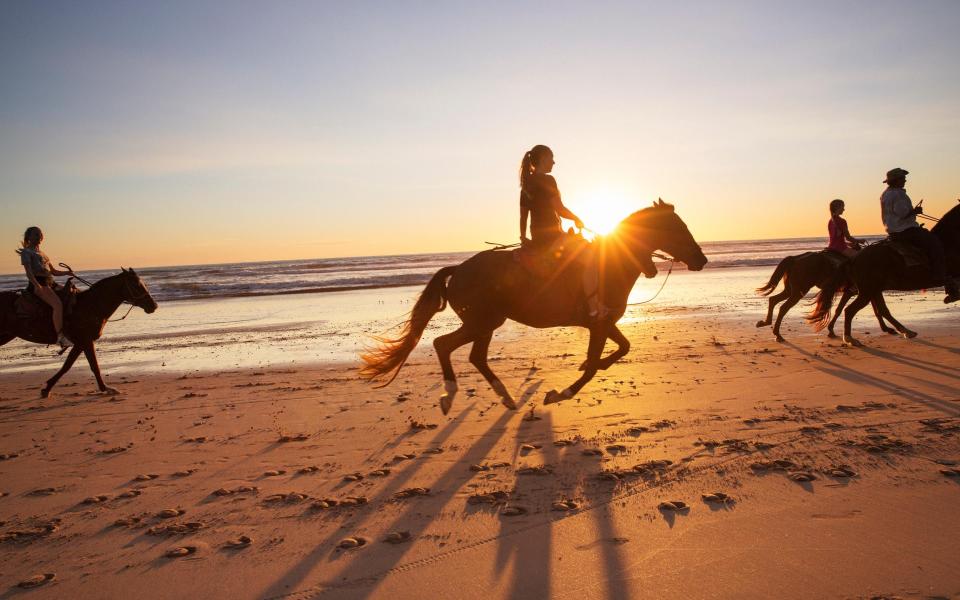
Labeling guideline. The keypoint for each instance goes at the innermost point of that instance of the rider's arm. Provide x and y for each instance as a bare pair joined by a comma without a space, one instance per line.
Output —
558,206
902,206
846,234
58,273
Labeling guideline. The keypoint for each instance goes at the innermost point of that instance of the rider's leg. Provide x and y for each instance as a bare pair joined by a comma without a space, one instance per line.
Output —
47,294
591,286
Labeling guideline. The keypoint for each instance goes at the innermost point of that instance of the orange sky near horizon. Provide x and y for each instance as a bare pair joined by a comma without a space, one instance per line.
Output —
141,135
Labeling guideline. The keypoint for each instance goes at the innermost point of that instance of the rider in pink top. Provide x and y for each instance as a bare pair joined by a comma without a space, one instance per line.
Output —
840,239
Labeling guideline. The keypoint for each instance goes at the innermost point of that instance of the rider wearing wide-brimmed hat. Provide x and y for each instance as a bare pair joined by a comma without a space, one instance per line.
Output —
900,220
40,274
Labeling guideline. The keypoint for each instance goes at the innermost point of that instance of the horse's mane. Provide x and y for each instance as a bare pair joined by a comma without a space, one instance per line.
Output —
950,221
645,213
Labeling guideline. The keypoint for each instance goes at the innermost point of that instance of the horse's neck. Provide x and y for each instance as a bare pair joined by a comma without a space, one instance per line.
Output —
948,229
103,299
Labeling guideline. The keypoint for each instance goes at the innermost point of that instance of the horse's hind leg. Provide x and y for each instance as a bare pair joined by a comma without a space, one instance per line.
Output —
847,293
623,346
598,337
478,357
795,297
774,300
71,358
858,303
883,312
445,345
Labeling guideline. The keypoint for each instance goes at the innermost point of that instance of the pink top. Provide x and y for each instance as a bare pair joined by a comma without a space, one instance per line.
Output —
837,228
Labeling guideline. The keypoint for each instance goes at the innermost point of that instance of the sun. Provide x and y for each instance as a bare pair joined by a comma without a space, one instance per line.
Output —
603,209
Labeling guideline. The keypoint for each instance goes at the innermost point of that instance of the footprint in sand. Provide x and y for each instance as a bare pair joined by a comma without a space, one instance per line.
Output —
616,449
353,477
673,506
37,580
169,513
299,437
402,457
953,472
129,494
351,542
479,468
292,497
128,521
418,425
238,543
592,452
43,492
176,528
146,477
564,505
563,443
184,473
380,473
274,473
497,497
397,537
529,447
437,450
8,456
95,499
180,551
842,471
537,470
353,501
801,476
307,470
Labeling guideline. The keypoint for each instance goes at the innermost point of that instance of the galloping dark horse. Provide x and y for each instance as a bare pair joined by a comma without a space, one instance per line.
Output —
799,274
880,267
86,323
491,287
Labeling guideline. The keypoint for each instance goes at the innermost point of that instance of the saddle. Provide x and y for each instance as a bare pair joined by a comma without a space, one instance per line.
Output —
29,307
911,255
543,262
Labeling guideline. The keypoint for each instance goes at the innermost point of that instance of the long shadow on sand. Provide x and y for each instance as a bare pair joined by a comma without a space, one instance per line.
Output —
842,371
301,570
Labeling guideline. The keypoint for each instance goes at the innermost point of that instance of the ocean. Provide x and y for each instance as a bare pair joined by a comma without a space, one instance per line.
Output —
308,276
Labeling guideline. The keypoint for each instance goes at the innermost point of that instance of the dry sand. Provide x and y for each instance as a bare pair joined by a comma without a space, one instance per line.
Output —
876,430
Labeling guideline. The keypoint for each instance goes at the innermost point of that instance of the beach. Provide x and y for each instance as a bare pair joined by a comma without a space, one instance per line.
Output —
247,448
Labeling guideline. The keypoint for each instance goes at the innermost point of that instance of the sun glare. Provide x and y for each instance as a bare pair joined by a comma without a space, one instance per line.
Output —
602,210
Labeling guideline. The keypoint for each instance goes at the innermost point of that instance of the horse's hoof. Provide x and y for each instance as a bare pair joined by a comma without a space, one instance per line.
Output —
109,391
446,403
851,343
45,393
762,323
909,335
508,402
831,334
553,396
780,338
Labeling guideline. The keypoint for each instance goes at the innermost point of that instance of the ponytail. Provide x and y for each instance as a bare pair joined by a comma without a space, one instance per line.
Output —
530,158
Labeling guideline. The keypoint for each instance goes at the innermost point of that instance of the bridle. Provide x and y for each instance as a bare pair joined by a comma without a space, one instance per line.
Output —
126,288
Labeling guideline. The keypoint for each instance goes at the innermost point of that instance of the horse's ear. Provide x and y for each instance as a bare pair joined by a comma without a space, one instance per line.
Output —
660,201
122,269
132,271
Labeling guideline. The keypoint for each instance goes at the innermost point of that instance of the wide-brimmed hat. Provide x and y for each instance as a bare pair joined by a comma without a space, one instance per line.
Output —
898,172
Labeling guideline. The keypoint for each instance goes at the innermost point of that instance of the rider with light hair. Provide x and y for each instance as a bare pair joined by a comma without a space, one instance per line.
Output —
40,274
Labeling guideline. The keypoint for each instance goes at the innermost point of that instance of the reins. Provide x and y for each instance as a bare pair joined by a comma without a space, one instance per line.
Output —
90,285
669,270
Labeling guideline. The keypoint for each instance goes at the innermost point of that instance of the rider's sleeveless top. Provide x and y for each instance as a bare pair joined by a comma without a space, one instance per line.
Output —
38,263
539,194
836,226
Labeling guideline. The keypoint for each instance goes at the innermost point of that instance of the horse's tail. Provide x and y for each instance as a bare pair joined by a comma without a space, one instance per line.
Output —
391,353
778,274
823,303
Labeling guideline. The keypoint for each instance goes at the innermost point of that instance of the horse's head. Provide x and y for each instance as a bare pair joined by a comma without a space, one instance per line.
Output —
660,228
135,291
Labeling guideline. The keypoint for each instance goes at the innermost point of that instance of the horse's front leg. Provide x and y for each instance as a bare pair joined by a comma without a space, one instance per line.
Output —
598,336
90,352
71,358
623,346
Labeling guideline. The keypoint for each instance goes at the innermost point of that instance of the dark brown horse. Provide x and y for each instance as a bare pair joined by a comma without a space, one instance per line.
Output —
85,325
880,267
799,274
491,287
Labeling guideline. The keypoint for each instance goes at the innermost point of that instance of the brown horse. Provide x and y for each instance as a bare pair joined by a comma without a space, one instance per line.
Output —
880,267
491,287
799,274
85,325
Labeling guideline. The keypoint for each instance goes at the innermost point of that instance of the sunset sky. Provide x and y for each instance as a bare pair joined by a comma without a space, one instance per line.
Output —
195,132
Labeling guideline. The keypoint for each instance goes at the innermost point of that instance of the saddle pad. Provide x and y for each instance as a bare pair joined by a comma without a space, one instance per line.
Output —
911,255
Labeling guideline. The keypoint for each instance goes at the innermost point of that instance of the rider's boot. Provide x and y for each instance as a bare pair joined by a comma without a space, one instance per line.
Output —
952,289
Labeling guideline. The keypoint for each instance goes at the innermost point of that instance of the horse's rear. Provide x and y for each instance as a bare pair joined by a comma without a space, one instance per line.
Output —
493,286
7,316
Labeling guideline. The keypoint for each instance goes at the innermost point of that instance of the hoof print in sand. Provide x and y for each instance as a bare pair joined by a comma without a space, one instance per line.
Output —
380,473
841,471
353,501
433,451
418,425
564,505
307,470
717,498
169,513
184,473
95,499
954,472
239,543
563,443
353,477
479,468
592,452
146,477
529,447
612,476
292,498
616,448
274,473
300,437
411,492
180,551
537,470
128,521
397,537
351,542
37,580
402,457
673,506
497,497
802,476
129,494
513,511
176,528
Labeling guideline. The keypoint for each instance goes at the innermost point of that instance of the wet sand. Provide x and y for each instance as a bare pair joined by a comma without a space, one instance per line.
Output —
803,469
